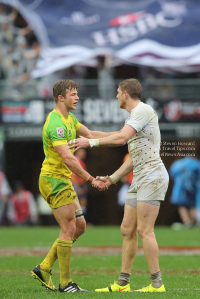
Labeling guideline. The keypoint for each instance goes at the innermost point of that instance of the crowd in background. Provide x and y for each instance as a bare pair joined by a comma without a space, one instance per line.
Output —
16,208
185,174
20,49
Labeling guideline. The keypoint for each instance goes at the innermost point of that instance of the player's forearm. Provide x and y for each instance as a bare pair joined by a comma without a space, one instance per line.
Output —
125,169
98,134
73,164
116,139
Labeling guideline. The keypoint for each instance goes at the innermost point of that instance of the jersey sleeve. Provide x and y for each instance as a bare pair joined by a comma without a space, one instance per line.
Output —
139,118
57,131
78,125
76,122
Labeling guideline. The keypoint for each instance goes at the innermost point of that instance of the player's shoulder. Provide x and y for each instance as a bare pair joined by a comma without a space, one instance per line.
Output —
54,119
142,108
145,106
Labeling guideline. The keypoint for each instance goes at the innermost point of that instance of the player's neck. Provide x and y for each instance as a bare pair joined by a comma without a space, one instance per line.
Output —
63,110
131,104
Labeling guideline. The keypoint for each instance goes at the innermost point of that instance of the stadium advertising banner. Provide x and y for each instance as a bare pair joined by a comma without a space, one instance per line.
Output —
98,112
22,112
177,118
157,33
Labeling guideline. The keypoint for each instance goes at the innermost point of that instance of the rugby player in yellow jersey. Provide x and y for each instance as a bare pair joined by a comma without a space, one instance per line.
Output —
55,183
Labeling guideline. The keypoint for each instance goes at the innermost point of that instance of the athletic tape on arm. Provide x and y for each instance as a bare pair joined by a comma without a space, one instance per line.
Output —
114,178
93,142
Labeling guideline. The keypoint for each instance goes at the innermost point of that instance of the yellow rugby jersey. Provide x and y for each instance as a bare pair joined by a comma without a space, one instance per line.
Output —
57,130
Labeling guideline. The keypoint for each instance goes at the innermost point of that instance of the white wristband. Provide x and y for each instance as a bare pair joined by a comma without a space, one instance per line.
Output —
93,142
114,178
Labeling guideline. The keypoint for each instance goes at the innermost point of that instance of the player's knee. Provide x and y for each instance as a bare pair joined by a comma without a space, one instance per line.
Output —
143,232
81,226
140,232
69,229
128,231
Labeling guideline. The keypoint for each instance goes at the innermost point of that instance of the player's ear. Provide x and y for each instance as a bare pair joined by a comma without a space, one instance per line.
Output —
60,98
126,94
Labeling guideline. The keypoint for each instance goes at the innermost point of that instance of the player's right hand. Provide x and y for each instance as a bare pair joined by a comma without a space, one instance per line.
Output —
78,143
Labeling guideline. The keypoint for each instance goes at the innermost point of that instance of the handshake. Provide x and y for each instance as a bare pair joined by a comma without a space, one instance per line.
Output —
102,183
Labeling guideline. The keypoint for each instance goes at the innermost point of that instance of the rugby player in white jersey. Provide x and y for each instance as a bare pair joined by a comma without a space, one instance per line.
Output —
149,186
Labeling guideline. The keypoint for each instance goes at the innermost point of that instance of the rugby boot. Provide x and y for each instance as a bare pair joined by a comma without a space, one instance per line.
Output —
43,277
72,287
115,288
150,289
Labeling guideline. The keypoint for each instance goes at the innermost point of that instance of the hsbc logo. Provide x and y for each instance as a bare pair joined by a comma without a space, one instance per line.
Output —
60,132
127,28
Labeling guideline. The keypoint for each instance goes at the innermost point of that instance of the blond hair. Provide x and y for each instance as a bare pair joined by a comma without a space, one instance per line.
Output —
60,87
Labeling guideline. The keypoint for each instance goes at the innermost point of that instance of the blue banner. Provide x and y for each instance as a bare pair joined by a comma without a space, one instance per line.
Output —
158,33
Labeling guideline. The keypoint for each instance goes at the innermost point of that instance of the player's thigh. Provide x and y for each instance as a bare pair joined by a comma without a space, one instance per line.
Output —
65,215
129,222
147,214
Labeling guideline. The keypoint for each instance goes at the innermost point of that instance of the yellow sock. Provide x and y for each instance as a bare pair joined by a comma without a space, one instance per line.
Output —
64,253
50,259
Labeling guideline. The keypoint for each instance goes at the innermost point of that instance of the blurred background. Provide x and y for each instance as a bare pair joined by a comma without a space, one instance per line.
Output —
98,44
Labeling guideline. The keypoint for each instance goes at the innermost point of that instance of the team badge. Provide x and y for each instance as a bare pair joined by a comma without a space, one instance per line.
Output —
70,133
60,132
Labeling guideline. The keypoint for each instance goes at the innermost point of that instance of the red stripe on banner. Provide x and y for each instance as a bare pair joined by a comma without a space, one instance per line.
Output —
126,19
7,109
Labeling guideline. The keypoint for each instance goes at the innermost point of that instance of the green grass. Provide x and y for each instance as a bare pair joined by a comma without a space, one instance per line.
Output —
94,236
180,273
99,271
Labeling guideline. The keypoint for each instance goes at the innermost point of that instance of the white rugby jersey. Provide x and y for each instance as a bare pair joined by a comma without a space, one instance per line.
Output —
145,144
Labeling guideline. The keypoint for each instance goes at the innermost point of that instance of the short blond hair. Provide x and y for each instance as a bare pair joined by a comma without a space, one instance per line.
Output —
60,87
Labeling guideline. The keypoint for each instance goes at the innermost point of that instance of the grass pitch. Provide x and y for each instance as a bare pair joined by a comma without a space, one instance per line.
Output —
180,272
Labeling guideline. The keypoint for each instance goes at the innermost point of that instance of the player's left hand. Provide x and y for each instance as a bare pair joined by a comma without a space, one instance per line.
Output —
105,180
101,186
78,143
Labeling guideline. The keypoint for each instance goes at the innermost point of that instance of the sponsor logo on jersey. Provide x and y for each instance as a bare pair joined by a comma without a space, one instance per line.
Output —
60,132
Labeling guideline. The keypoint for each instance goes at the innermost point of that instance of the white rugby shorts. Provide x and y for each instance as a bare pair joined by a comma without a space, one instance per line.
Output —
149,185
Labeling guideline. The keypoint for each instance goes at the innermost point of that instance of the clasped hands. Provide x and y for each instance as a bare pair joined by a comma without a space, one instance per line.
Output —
101,183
